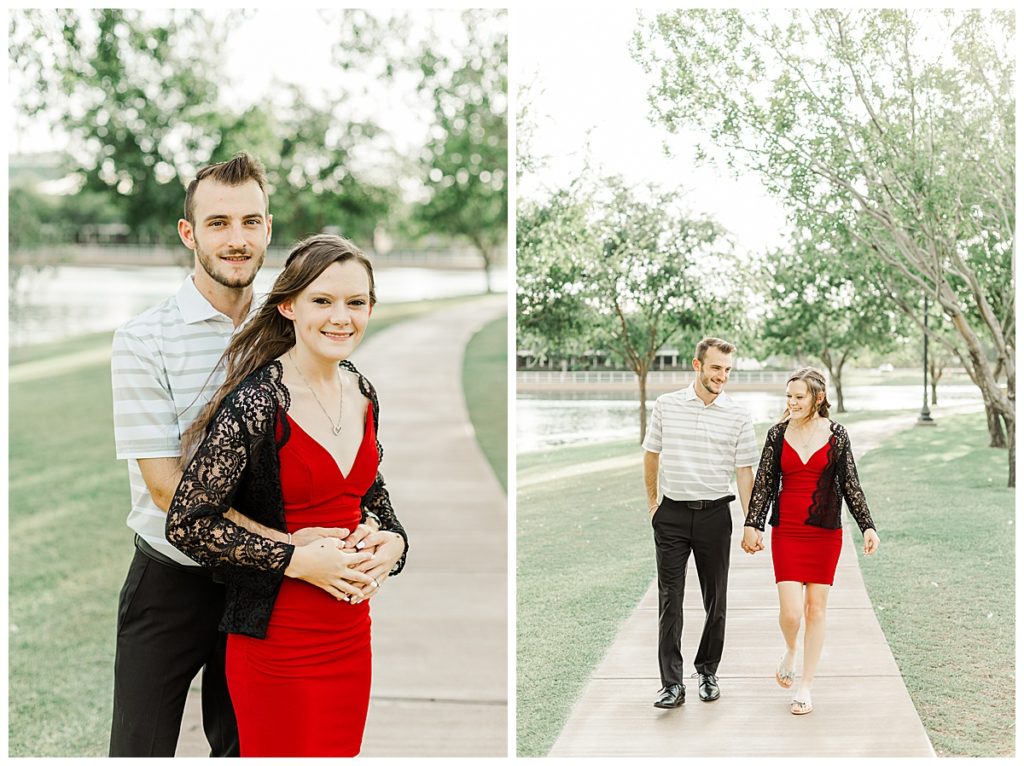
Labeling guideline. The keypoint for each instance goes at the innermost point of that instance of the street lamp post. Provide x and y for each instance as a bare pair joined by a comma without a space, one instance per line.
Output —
925,418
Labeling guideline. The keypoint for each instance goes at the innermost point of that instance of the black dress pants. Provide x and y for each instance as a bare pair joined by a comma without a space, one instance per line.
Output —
166,631
678,530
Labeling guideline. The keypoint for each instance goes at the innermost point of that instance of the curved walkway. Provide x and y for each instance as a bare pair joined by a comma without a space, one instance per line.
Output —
862,707
440,628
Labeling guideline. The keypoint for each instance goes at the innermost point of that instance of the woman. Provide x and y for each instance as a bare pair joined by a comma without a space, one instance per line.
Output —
288,442
806,471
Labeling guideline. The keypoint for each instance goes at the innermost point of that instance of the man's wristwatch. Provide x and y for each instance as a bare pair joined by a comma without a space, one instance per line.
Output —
375,517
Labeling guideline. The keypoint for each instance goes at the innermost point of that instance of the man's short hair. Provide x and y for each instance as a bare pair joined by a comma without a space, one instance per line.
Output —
722,345
236,171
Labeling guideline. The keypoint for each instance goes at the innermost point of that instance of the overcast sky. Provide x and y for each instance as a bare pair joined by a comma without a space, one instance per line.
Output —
581,78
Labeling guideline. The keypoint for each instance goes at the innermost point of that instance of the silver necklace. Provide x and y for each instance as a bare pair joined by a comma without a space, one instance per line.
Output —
810,431
341,395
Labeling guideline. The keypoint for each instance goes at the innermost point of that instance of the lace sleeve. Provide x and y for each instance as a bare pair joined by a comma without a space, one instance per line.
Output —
377,500
852,491
195,520
764,484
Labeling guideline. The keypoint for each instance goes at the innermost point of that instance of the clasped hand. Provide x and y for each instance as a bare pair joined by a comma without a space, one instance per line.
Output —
753,540
349,566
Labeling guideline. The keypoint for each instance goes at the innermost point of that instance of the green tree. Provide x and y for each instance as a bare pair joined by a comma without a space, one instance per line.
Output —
310,152
650,278
897,124
467,158
136,97
623,271
457,62
822,304
553,240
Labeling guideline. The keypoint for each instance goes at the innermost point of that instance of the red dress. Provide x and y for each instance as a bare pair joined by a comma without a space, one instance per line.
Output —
802,552
304,689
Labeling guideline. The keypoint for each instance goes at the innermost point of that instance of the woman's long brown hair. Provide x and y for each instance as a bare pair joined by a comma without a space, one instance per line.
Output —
268,335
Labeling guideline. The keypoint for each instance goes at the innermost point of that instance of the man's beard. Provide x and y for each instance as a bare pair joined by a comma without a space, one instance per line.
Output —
209,264
705,383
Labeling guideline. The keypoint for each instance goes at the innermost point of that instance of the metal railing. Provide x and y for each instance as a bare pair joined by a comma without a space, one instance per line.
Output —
656,378
173,254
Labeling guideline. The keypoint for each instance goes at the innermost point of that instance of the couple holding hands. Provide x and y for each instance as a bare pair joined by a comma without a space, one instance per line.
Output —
697,438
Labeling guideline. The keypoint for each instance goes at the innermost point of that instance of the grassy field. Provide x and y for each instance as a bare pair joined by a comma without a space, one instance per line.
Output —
942,573
69,550
943,585
485,382
583,562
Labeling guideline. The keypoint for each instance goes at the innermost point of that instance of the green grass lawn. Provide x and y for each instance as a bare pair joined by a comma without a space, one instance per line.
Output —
571,531
485,383
41,351
943,581
69,549
584,559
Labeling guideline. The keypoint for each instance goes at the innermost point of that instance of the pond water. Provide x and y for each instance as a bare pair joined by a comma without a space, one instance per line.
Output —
551,419
57,302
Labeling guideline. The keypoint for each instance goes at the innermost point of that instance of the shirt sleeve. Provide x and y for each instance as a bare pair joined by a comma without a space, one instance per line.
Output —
652,440
145,417
746,445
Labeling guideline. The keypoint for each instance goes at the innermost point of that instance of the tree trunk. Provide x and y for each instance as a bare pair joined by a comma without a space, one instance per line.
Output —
837,380
1001,403
642,380
486,255
835,372
1013,452
996,435
936,369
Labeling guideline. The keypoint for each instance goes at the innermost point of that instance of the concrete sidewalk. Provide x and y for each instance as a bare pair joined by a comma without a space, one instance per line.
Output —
440,628
861,706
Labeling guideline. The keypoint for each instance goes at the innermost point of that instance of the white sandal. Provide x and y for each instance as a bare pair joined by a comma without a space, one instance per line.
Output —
784,676
801,706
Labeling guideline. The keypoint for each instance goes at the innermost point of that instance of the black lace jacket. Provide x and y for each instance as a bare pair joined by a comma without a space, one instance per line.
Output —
838,481
236,465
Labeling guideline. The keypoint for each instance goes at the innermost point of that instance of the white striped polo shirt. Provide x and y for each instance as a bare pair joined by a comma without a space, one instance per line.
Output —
700,446
161,367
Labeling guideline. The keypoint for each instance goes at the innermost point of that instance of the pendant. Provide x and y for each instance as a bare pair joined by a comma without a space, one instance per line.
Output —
336,429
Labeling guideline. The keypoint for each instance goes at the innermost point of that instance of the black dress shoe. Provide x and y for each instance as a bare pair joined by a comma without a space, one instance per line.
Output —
708,689
671,696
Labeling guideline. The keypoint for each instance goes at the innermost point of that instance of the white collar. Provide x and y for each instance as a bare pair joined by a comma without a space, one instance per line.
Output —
195,307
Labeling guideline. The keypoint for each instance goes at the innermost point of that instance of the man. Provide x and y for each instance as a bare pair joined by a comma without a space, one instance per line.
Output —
164,370
697,438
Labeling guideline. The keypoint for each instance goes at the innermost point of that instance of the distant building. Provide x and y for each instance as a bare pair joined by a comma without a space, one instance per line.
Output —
102,234
668,358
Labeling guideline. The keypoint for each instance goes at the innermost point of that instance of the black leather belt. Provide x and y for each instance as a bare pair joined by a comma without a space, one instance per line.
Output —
150,552
705,505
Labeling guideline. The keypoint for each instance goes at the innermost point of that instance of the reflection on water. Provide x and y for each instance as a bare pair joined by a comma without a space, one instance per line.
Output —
57,302
551,419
